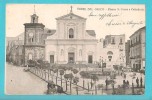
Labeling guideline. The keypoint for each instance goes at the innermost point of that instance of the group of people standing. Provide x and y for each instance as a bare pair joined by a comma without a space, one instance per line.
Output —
139,82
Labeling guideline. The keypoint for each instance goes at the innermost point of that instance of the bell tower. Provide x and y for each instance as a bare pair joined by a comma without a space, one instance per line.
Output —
34,18
33,41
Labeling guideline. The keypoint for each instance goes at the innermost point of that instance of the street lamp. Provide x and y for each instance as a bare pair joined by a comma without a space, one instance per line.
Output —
102,64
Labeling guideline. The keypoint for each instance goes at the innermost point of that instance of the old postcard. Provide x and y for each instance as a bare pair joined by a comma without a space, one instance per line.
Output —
75,49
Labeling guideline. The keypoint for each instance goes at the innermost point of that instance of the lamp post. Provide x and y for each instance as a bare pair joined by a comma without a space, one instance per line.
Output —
132,87
102,64
133,77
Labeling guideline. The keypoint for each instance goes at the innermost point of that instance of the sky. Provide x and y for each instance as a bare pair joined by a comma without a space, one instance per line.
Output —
104,19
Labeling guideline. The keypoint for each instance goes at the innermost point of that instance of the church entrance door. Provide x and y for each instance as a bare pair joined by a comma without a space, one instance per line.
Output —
71,57
51,58
90,59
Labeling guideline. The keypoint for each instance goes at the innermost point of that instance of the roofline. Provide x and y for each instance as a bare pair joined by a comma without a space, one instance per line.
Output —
137,31
59,18
115,35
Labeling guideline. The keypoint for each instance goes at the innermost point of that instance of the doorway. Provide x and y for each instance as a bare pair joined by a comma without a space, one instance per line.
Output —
71,57
90,59
51,58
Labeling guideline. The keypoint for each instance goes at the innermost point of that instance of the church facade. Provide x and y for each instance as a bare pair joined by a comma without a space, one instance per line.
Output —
71,43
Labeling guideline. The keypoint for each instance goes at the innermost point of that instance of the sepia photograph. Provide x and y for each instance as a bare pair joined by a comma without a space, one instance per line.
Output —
75,49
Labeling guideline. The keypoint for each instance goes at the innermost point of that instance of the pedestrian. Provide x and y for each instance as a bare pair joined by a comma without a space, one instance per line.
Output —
91,83
133,88
127,83
121,73
106,81
141,81
124,75
137,82
124,83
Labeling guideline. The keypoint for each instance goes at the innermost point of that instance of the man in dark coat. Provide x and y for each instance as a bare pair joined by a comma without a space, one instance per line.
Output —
137,81
124,83
106,81
141,81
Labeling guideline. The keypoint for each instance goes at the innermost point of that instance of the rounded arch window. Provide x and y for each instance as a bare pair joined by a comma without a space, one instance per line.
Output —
109,53
71,33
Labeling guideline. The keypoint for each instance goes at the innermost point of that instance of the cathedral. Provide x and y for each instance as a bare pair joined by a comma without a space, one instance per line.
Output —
71,43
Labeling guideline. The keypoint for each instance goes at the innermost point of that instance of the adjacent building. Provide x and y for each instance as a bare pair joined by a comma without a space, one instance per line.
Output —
111,50
137,49
14,49
127,48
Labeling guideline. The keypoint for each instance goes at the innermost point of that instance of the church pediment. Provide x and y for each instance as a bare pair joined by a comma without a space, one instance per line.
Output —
70,16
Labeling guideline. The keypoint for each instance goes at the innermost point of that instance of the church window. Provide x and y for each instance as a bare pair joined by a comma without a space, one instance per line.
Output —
113,40
139,38
31,38
71,33
120,41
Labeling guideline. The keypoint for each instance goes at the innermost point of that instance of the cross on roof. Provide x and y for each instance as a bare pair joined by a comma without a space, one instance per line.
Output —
34,10
71,9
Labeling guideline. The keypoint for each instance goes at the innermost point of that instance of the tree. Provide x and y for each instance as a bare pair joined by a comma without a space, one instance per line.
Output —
31,63
83,74
66,76
113,82
56,71
95,78
70,78
61,73
76,80
75,71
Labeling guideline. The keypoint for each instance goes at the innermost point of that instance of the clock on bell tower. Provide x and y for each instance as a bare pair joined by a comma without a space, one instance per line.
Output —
33,42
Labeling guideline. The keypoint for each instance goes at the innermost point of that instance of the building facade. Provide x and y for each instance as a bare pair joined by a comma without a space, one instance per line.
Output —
14,49
137,50
111,50
71,43
127,47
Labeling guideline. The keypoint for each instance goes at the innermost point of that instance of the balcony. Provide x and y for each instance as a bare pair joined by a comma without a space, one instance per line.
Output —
113,43
132,57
